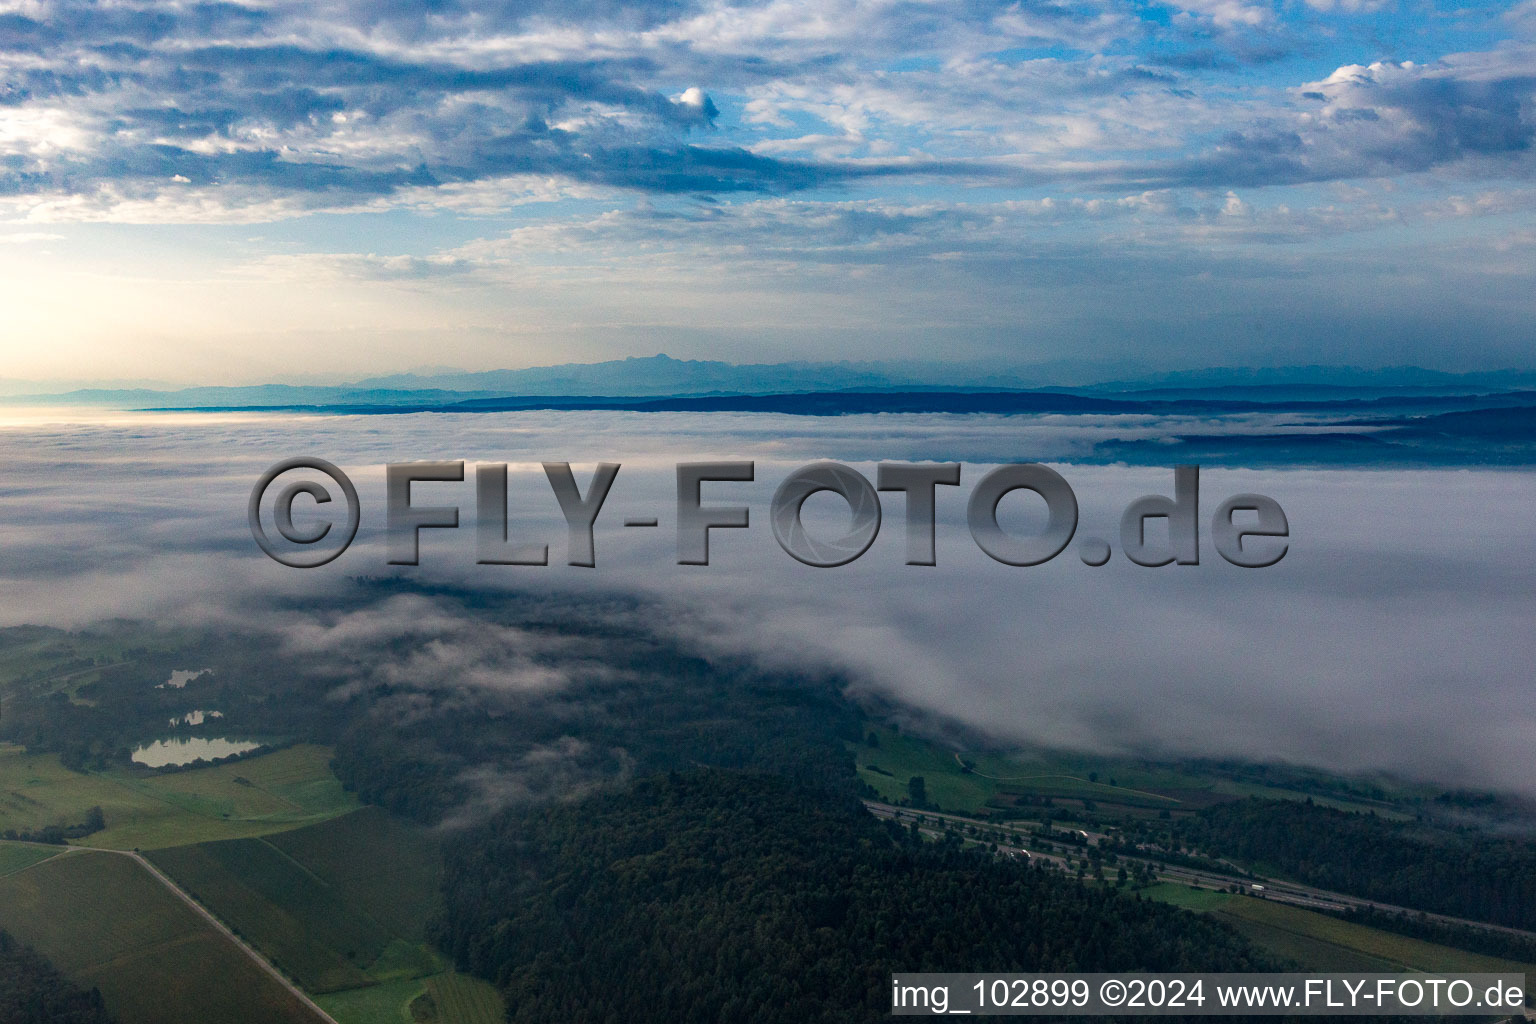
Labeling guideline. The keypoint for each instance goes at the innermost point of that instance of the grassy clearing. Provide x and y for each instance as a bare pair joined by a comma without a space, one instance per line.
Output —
401,960
104,921
993,777
388,1003
1328,941
273,792
446,998
898,758
1187,897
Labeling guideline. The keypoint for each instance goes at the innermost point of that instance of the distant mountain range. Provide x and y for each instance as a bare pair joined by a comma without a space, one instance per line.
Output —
661,376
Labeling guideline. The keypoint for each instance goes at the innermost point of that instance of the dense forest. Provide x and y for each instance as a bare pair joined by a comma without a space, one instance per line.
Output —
1461,874
739,878
713,895
32,991
651,707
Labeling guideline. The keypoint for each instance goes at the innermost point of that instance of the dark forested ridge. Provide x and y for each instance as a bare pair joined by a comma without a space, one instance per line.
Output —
710,895
1460,874
32,991
657,709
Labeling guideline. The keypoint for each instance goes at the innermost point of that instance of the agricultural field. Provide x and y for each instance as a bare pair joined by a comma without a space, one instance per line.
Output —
272,792
339,906
296,921
978,783
15,856
386,867
106,922
1320,942
461,999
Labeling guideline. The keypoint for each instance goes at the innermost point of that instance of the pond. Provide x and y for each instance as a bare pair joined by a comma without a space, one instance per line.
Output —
181,677
184,751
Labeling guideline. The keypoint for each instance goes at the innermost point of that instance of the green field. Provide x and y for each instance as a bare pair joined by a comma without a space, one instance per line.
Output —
994,779
339,905
1187,896
296,921
1320,942
15,856
997,780
387,1003
106,922
460,999
273,792
388,868
447,998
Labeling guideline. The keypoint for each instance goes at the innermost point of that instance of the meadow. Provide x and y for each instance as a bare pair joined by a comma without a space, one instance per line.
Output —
989,782
254,796
445,998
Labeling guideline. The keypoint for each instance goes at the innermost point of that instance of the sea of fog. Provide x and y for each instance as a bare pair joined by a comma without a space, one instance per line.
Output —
1395,634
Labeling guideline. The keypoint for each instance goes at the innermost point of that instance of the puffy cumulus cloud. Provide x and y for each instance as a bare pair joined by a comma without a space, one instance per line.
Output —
1418,116
1470,113
141,111
697,99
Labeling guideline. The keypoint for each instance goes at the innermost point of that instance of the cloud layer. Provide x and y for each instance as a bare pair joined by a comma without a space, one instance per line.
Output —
1393,636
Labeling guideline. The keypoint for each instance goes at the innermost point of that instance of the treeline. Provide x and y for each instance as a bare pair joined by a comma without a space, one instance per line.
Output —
709,895
58,835
32,991
1459,874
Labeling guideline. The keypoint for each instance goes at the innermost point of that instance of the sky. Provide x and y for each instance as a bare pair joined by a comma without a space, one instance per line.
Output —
211,192
1394,634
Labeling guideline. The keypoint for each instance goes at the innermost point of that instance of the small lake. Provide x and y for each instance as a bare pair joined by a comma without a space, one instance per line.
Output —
184,751
181,677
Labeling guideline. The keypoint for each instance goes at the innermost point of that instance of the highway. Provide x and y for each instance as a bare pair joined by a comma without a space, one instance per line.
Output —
1278,890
